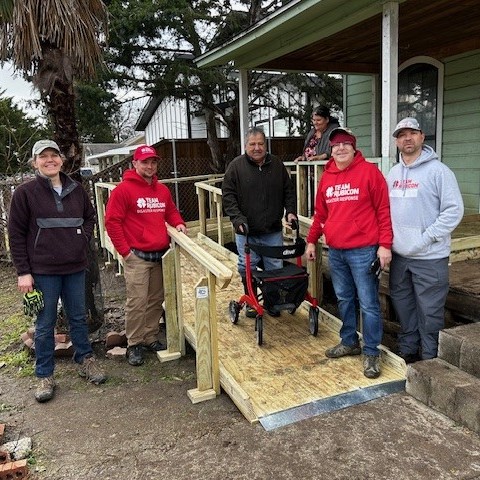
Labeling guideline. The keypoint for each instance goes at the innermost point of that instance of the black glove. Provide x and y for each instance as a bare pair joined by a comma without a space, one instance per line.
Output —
243,230
33,303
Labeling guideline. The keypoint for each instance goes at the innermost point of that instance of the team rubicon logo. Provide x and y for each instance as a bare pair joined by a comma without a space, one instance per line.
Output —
342,192
150,204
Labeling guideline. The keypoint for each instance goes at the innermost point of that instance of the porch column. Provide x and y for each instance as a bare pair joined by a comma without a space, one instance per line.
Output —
389,82
243,102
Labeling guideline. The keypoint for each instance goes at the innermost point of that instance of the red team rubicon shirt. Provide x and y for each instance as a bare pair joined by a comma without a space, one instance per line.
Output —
136,214
352,206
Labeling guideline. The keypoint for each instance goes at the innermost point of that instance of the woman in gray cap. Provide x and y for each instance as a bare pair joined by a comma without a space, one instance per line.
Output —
50,224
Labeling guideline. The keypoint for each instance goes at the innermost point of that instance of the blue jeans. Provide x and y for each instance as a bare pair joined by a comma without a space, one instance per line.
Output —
267,239
71,289
351,278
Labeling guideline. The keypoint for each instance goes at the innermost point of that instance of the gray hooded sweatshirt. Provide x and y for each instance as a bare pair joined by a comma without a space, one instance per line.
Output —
425,204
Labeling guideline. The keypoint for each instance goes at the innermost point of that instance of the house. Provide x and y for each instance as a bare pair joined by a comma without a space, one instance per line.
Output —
101,156
176,118
399,58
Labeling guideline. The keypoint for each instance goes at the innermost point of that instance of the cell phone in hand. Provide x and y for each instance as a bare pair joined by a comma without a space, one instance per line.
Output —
376,267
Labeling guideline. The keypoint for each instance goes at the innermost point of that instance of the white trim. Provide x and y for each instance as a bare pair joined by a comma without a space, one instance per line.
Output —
440,85
243,105
374,122
390,23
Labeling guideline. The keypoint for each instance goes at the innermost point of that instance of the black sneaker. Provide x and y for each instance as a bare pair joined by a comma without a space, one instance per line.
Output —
156,346
410,357
135,355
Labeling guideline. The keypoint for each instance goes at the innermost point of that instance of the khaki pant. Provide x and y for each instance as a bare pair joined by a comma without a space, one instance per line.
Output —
143,308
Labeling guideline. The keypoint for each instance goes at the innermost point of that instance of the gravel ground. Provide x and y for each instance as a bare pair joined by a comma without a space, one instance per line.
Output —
141,425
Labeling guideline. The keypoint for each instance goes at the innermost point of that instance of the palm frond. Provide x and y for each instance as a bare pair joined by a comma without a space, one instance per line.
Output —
76,27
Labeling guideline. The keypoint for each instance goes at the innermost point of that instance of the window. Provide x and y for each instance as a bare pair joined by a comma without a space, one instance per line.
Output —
418,96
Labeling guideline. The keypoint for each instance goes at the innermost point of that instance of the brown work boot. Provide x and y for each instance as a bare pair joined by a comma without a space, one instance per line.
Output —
342,350
45,389
371,366
91,371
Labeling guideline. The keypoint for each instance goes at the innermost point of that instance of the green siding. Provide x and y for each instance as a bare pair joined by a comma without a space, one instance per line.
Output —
461,125
359,110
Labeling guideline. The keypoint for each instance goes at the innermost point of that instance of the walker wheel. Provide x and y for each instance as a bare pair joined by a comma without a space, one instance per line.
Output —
234,311
259,329
313,320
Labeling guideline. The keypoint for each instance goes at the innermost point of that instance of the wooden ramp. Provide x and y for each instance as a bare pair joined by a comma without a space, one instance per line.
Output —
289,371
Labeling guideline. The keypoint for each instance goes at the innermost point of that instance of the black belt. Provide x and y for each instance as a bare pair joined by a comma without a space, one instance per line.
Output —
149,256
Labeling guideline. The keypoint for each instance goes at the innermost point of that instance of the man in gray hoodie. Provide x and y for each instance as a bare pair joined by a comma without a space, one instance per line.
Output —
426,205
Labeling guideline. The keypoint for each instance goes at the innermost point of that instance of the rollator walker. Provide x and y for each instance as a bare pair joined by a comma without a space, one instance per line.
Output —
281,289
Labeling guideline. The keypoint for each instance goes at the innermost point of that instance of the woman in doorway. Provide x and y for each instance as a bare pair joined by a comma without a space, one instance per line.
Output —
316,146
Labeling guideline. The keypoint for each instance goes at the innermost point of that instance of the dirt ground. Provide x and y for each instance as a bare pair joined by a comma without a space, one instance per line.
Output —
141,425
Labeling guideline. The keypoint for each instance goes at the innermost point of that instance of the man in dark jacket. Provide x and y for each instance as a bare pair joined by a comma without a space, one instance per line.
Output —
257,192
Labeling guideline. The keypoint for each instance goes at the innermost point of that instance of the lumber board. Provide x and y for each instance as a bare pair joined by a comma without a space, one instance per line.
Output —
174,336
202,333
222,273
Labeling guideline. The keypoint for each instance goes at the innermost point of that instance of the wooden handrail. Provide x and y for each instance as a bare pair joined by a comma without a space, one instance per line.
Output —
222,274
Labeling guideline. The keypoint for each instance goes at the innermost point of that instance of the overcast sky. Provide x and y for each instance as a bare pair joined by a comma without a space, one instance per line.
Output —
16,87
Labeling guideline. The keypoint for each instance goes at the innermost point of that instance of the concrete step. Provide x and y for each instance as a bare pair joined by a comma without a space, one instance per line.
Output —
447,389
460,346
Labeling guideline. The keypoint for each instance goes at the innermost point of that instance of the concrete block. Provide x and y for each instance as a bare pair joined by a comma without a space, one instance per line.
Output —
418,382
460,346
18,449
470,356
449,345
468,406
446,389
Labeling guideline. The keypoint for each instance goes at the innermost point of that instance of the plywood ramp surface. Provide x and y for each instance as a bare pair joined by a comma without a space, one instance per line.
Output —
290,368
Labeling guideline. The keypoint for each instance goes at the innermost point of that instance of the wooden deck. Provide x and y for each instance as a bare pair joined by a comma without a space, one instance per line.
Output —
290,368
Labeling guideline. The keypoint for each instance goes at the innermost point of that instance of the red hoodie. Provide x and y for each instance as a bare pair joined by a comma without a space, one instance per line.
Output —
352,207
136,214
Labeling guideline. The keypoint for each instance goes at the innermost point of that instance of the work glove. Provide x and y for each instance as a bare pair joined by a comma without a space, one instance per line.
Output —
33,303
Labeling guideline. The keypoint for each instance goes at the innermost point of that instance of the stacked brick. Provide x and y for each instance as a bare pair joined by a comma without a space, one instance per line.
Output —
11,469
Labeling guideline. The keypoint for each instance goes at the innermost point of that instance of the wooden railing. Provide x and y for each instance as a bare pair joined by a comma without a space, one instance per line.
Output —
216,275
206,341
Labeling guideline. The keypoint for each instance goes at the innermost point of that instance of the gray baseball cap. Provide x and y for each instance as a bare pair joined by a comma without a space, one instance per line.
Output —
408,122
42,145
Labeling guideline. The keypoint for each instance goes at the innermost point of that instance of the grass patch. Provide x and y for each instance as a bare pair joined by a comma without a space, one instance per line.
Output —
13,353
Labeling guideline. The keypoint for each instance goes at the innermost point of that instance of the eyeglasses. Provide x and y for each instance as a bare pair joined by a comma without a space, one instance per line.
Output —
336,145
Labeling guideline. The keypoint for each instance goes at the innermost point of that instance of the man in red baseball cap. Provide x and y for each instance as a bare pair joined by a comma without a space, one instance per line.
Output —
352,211
135,221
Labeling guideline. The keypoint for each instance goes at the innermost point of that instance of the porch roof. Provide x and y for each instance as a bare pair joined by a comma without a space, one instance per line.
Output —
344,36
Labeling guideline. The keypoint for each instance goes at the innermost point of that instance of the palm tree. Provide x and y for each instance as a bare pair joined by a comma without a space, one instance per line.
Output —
54,42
